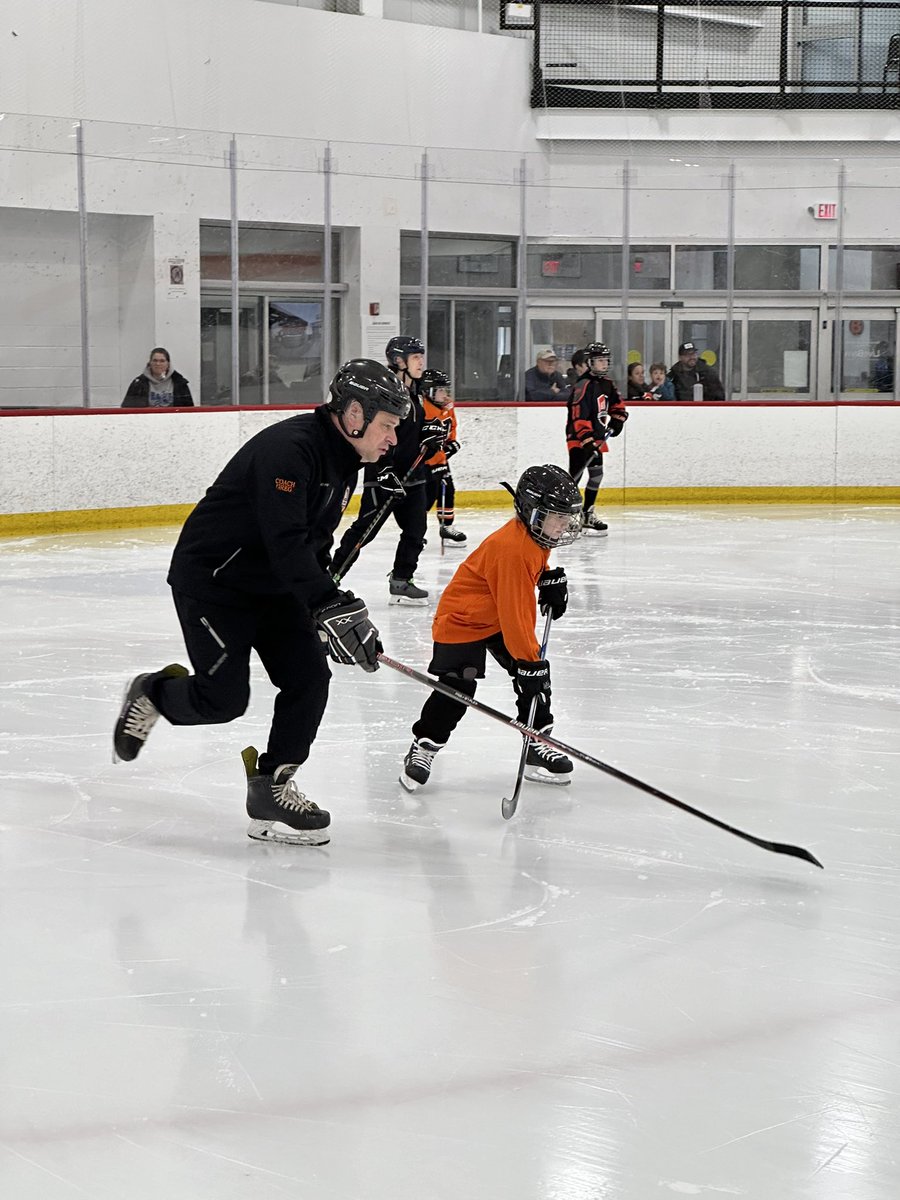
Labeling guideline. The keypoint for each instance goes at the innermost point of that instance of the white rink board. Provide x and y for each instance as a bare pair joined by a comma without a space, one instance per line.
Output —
74,462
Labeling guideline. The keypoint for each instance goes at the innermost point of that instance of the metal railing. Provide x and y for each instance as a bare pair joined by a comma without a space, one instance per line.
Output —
729,54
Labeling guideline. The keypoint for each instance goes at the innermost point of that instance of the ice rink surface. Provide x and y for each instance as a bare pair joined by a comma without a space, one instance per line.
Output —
604,997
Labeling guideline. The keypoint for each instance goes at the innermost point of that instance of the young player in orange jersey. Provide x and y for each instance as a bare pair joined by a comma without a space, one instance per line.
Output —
489,607
434,392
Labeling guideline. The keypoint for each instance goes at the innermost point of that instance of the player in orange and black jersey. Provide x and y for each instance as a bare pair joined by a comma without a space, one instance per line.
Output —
434,392
489,607
596,412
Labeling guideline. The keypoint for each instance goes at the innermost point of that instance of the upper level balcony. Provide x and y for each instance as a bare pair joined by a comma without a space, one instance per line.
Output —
732,54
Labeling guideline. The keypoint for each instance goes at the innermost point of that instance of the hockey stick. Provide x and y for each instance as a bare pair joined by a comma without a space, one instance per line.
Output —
376,523
512,723
508,807
441,513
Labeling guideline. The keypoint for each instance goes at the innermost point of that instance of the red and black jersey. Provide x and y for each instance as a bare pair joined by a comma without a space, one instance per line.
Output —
592,399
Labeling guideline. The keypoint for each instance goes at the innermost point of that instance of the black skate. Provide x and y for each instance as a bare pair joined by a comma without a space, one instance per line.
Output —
543,764
275,800
417,764
592,525
455,537
138,714
405,591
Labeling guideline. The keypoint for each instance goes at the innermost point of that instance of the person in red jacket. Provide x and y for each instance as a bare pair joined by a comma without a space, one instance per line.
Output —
489,607
596,412
434,392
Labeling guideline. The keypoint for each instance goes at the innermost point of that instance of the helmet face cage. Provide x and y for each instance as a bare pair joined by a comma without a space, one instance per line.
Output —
549,492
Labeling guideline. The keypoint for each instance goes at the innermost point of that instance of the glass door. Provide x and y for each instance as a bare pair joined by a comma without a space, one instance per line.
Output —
782,354
563,330
867,352
654,335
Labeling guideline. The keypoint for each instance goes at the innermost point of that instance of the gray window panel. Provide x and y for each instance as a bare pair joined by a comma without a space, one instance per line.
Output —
866,268
268,254
756,268
565,268
778,356
459,260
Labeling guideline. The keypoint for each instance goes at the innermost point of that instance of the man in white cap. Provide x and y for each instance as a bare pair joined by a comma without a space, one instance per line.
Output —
543,381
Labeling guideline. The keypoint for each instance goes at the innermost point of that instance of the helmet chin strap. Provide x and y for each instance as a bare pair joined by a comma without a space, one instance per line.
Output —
352,433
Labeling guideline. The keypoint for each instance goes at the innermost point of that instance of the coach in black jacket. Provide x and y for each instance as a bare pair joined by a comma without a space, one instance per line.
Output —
251,571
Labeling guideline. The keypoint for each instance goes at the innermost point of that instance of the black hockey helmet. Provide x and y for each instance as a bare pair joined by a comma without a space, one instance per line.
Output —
373,385
543,492
399,348
596,350
431,380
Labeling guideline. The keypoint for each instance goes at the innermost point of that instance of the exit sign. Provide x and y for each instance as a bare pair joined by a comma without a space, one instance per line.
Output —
826,212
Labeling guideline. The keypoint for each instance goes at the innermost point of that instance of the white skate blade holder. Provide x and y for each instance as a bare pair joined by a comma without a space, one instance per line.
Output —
275,831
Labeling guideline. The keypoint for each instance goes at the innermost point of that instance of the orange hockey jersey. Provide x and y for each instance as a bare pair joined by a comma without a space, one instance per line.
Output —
493,591
433,412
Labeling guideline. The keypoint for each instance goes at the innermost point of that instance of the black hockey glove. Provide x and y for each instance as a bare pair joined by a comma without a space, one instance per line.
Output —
349,636
389,482
432,436
532,679
553,592
451,448
616,424
440,471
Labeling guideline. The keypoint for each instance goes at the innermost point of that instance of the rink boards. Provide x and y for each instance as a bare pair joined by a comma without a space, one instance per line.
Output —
95,469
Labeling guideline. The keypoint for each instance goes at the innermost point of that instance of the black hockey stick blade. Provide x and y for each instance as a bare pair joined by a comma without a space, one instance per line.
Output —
509,806
535,736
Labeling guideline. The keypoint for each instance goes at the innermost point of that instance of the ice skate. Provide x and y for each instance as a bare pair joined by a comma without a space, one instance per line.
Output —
417,764
405,591
138,714
543,764
593,526
278,810
453,536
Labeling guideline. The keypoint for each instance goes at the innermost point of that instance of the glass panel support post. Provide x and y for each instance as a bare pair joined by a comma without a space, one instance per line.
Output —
235,277
424,171
327,268
727,372
626,270
837,331
83,269
522,281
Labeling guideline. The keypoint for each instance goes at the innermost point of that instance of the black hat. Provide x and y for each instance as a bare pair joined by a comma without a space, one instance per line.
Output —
687,348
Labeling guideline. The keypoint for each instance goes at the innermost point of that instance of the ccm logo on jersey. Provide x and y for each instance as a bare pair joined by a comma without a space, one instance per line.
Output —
285,485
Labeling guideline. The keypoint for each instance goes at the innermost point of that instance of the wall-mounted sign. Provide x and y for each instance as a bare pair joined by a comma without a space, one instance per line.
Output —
825,212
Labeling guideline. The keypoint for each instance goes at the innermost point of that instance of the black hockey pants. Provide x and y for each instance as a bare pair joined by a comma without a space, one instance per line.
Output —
408,511
219,641
460,666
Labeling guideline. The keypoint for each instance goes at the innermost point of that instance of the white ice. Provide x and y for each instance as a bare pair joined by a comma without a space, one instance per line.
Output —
605,997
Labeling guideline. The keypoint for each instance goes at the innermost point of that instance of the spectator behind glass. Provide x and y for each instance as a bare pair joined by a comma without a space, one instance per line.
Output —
543,381
637,389
660,387
691,369
159,386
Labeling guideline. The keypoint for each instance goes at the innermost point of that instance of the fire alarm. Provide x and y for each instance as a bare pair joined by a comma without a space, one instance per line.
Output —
374,308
